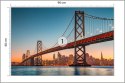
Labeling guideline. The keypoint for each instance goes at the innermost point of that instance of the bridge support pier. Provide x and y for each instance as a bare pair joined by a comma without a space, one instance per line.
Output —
80,56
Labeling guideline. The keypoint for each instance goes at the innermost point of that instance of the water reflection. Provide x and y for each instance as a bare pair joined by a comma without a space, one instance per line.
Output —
93,71
62,71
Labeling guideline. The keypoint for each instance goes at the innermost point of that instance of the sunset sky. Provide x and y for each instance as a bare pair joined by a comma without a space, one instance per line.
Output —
47,25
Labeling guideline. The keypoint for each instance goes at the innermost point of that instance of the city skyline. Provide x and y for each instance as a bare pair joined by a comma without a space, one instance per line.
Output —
66,60
33,26
67,52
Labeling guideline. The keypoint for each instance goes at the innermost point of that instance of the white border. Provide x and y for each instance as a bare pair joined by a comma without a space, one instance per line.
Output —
119,41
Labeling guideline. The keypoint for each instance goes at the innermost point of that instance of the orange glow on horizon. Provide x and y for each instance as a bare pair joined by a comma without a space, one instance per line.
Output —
67,52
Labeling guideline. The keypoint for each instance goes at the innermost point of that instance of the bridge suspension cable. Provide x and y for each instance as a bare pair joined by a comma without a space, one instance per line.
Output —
70,33
95,17
66,29
35,50
96,25
44,47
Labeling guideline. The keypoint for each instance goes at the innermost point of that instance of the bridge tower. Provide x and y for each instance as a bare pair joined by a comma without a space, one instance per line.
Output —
79,51
36,61
23,57
39,46
39,49
27,55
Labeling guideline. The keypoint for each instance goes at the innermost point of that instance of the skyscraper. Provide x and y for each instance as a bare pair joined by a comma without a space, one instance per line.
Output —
101,62
59,56
101,56
53,56
54,59
71,59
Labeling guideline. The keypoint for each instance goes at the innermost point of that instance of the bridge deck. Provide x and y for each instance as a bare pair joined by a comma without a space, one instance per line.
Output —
86,41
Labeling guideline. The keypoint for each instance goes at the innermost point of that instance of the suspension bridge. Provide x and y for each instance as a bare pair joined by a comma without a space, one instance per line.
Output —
87,30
